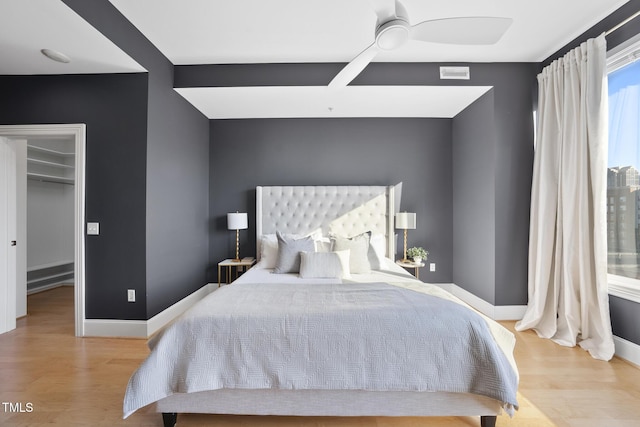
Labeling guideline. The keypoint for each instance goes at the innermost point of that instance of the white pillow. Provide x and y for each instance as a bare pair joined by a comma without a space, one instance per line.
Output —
268,251
323,244
377,249
324,265
359,247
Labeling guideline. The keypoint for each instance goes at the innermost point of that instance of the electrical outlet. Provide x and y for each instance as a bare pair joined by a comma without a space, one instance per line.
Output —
131,295
432,266
93,228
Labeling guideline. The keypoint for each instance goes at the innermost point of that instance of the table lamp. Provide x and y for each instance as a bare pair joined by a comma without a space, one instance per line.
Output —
237,221
405,221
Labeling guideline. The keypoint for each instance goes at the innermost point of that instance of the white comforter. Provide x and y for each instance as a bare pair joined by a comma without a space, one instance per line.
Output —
358,336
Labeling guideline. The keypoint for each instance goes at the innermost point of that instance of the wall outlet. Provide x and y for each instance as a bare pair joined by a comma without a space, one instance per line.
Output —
432,266
93,228
131,295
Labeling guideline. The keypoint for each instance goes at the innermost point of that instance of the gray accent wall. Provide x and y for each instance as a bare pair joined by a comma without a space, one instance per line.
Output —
177,168
493,164
625,318
474,199
114,109
416,152
492,167
177,195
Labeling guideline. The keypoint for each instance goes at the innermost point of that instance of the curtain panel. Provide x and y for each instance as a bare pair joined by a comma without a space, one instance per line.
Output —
568,298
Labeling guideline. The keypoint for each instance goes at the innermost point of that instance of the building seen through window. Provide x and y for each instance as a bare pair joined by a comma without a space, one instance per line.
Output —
623,174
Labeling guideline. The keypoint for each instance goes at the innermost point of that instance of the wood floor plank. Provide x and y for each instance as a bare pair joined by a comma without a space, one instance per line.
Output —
81,381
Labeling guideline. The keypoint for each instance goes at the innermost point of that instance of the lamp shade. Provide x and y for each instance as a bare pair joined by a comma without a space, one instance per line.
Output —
405,220
237,221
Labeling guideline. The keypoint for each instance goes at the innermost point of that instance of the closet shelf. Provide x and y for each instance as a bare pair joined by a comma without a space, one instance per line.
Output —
50,178
49,151
48,163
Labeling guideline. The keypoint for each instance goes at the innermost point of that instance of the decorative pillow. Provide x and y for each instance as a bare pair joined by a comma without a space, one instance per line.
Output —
269,247
377,249
333,265
323,244
289,252
268,251
359,250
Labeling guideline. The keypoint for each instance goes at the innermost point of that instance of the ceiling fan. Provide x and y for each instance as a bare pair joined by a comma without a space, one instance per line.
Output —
393,30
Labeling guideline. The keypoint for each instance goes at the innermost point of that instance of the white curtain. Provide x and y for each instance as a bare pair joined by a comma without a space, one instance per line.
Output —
568,299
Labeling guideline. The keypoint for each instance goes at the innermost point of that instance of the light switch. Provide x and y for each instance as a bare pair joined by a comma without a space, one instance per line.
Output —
93,228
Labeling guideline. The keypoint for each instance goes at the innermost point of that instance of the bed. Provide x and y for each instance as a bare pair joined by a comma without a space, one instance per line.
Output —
344,332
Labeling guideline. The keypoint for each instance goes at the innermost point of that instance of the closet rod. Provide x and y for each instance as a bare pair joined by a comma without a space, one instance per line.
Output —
623,23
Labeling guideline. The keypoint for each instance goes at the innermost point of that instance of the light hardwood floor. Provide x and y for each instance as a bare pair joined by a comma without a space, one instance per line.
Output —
80,381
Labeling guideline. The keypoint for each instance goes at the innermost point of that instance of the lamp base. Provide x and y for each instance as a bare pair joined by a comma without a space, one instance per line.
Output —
236,260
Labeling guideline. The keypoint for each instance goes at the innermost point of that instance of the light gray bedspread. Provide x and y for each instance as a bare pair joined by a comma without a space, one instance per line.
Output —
357,336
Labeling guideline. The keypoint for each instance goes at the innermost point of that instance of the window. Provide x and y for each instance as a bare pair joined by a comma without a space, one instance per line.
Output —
623,174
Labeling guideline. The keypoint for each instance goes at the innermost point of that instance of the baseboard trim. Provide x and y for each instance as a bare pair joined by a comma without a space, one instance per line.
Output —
495,312
144,328
115,328
627,350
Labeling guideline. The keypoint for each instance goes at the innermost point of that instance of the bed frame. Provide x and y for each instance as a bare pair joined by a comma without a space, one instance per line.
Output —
345,210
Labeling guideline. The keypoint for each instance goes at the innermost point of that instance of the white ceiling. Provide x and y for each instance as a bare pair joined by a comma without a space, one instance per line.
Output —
321,101
27,26
258,31
251,31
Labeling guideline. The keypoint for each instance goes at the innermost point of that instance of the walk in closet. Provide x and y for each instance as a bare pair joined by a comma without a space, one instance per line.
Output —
50,213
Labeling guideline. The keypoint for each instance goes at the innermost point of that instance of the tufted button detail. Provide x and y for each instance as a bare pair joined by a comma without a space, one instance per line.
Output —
344,210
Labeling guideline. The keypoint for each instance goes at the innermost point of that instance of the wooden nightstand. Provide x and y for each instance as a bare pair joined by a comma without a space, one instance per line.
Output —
411,264
228,264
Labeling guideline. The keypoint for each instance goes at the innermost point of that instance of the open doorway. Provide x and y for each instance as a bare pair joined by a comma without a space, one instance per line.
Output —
57,156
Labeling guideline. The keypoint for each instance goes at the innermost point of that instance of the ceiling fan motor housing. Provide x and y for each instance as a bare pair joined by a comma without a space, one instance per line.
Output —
392,34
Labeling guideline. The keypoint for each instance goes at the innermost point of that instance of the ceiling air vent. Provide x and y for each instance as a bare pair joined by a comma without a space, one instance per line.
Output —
454,73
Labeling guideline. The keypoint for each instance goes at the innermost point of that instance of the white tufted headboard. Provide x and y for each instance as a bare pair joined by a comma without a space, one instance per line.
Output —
343,210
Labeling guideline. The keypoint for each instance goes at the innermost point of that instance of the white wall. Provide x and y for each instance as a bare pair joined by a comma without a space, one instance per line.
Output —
50,223
50,209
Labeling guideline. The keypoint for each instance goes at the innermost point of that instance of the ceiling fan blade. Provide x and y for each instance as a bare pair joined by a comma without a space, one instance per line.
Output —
355,67
384,9
476,30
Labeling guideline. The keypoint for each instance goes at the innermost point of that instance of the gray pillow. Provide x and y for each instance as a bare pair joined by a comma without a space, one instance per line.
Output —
289,249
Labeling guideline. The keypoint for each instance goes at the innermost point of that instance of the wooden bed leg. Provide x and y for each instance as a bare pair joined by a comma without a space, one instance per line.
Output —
486,421
169,419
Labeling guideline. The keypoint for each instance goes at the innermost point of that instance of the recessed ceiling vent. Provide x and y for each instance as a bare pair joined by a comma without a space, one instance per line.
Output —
454,73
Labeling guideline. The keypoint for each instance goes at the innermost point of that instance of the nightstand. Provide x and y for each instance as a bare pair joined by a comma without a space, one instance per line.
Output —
411,264
229,264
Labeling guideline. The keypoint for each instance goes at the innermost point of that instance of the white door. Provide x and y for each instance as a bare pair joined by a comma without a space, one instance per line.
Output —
8,235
